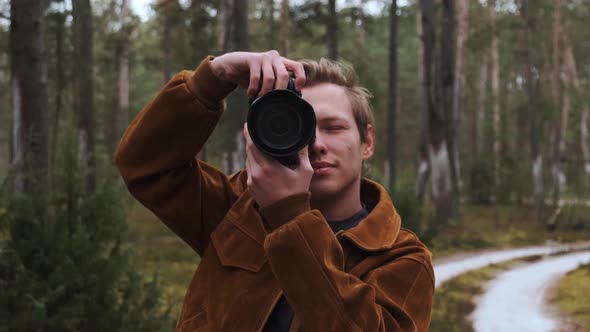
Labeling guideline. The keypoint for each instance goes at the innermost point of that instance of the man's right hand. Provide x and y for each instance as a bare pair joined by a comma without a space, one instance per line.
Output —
248,69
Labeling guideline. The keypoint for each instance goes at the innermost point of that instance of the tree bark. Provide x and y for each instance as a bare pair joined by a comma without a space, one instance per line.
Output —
119,116
459,89
29,99
83,90
495,80
434,152
60,19
237,103
166,40
584,136
536,158
558,176
482,98
332,30
423,156
284,28
448,84
271,22
392,96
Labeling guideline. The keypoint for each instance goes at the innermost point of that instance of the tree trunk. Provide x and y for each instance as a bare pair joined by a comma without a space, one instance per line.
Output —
83,90
557,171
447,66
482,98
284,28
119,117
584,137
363,23
424,161
495,93
536,158
434,152
29,99
236,39
60,19
392,97
332,30
166,40
459,89
272,25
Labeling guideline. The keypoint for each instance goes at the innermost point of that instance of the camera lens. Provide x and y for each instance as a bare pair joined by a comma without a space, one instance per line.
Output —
279,125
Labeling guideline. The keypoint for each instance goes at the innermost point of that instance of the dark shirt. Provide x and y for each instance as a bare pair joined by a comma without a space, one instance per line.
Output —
281,317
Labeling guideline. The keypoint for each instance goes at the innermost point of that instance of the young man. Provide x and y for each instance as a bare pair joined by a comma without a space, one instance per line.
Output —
313,247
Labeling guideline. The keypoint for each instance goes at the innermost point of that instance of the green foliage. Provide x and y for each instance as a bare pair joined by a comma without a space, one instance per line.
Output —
72,270
408,207
480,180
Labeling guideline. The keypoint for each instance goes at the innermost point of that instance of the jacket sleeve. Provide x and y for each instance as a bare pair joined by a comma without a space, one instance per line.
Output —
156,156
308,261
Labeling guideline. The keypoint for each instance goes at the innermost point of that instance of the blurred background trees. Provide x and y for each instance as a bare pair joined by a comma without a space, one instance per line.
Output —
476,103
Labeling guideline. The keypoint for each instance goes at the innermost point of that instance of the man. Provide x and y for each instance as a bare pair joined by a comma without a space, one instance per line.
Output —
312,247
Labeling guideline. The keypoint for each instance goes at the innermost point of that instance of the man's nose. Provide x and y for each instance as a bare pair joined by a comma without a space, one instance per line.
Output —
318,145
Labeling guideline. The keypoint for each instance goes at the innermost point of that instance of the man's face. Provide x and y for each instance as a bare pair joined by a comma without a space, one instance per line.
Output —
337,153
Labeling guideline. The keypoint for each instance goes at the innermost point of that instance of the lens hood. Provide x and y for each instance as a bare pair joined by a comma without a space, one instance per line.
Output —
281,123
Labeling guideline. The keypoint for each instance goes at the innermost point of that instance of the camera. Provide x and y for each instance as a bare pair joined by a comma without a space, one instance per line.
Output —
281,123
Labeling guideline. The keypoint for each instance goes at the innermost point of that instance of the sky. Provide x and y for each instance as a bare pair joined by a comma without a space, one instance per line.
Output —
142,8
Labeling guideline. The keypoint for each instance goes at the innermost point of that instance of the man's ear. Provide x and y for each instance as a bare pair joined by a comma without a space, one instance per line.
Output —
369,145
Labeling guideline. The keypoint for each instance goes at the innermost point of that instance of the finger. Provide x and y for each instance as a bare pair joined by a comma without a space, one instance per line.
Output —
255,72
281,74
303,155
298,71
268,78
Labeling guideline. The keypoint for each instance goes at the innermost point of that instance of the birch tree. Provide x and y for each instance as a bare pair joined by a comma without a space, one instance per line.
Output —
560,113
434,152
535,154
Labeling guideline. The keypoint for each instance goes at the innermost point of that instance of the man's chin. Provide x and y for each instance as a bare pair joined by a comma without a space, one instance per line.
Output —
322,191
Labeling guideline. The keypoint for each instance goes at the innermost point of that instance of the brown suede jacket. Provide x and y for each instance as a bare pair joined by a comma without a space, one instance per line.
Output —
376,276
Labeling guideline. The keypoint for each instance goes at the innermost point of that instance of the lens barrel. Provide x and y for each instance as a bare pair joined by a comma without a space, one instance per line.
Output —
281,123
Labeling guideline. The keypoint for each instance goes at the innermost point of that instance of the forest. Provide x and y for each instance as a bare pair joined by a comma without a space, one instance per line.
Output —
481,140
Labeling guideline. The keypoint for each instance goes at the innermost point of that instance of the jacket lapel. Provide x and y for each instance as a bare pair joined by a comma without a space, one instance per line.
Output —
380,229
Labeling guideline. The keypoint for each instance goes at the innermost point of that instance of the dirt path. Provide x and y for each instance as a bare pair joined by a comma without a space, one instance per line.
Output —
515,300
454,266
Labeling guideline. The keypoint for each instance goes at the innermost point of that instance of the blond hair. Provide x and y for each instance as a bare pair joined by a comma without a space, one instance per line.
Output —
342,74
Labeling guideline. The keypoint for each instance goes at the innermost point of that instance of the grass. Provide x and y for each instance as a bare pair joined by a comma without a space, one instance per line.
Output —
159,251
485,227
570,296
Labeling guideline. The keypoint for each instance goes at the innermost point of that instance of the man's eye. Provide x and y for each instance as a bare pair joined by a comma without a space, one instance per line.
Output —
335,128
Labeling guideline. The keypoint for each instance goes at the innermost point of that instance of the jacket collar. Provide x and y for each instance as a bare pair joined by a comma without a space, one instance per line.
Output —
379,230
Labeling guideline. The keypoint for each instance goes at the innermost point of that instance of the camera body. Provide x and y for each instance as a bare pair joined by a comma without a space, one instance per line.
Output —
281,123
